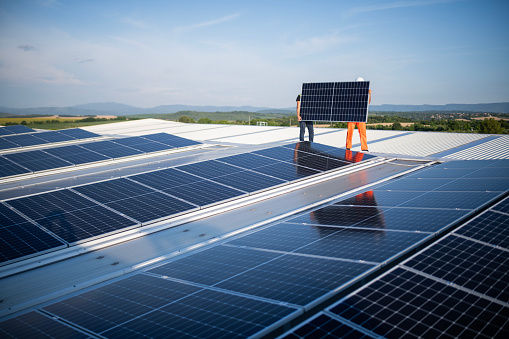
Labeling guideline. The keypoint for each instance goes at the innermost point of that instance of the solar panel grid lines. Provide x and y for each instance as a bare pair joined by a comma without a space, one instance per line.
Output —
490,228
335,101
76,154
160,307
404,303
10,168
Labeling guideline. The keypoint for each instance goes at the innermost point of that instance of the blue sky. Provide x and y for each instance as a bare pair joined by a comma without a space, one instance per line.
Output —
150,53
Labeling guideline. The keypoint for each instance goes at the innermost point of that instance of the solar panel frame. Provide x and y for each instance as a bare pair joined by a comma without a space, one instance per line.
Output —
37,160
9,168
76,155
26,140
78,133
53,136
19,129
111,149
335,101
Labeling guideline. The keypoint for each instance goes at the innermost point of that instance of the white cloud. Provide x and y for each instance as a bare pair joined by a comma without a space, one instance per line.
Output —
399,4
205,24
135,23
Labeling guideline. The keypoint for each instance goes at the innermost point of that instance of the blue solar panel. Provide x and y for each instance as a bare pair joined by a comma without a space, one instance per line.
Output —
70,216
5,131
164,179
414,184
134,200
76,154
286,171
25,140
18,129
464,200
78,133
336,215
248,181
329,151
248,160
406,304
163,308
210,169
324,326
8,168
53,136
142,144
466,263
170,140
37,160
380,198
37,325
111,149
203,193
19,238
489,227
6,144
335,101
502,206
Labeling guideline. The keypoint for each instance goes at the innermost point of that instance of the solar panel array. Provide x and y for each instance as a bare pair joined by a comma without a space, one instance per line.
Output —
256,283
16,129
335,101
456,287
40,138
82,213
72,155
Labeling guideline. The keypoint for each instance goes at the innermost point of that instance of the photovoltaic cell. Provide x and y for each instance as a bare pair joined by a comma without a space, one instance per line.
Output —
19,238
335,101
37,325
163,308
330,151
70,216
53,136
6,144
170,140
489,172
8,168
439,171
142,144
502,206
18,129
466,263
210,169
489,227
111,149
286,171
405,304
414,184
203,193
324,326
165,179
335,215
380,198
25,140
461,200
76,154
36,160
248,160
113,190
78,133
484,184
248,181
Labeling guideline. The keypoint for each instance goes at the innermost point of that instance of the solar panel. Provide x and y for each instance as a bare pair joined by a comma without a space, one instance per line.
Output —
502,206
134,200
76,154
414,184
70,216
78,133
164,179
163,308
18,129
19,238
5,131
489,227
210,169
36,160
286,171
324,326
335,101
248,160
142,144
380,198
335,215
25,140
248,181
37,325
467,263
53,136
6,144
406,304
8,168
170,140
203,193
111,149
464,200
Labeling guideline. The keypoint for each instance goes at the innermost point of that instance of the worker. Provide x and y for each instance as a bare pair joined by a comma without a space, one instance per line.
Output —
361,126
303,124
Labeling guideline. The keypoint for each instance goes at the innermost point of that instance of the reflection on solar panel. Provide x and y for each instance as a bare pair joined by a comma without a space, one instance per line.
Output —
248,181
70,216
19,238
335,101
203,193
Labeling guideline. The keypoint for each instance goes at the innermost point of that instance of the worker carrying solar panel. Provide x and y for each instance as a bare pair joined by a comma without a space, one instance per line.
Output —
361,126
304,123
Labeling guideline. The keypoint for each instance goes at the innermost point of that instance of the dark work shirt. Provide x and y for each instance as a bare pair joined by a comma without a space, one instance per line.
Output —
298,98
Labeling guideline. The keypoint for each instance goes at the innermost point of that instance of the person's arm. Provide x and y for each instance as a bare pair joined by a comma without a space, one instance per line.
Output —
369,97
298,111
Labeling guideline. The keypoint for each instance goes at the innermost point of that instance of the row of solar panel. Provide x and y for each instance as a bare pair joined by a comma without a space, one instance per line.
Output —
126,202
16,129
72,155
40,138
455,288
335,85
253,284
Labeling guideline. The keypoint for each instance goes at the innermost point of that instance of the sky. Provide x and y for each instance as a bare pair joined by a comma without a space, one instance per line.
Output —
59,53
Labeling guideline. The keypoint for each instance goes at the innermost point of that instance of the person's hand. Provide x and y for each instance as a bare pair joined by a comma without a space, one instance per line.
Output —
298,117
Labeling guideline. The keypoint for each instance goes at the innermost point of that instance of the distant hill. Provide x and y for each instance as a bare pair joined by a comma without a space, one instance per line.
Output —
502,107
112,108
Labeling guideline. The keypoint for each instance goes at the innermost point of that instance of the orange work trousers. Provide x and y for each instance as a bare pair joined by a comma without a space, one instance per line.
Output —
361,126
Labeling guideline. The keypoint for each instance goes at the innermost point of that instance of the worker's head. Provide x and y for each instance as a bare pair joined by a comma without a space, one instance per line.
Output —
359,79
